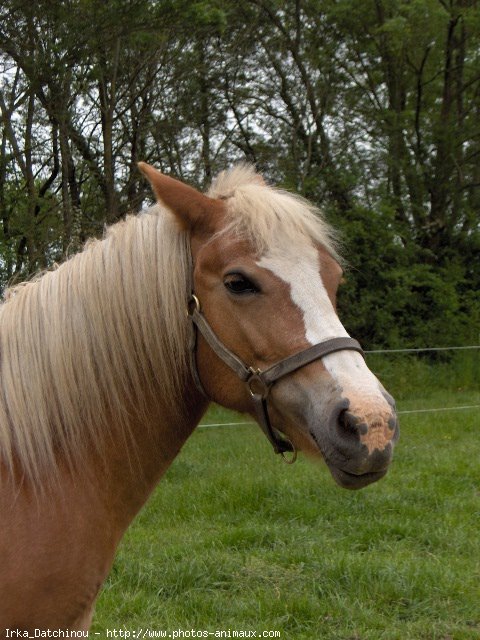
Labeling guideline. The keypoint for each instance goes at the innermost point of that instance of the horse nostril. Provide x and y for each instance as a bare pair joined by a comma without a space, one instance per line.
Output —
362,440
348,424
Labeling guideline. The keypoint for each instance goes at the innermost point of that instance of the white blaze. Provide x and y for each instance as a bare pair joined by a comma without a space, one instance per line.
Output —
299,267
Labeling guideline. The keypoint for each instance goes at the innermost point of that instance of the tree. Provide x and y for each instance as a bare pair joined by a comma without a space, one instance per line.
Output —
370,109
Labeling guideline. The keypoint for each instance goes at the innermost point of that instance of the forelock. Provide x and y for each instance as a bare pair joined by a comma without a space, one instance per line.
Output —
267,216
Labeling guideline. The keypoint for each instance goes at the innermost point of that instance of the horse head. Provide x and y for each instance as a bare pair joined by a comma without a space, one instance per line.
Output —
265,278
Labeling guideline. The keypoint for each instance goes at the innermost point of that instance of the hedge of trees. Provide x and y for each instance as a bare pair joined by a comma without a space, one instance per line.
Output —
371,109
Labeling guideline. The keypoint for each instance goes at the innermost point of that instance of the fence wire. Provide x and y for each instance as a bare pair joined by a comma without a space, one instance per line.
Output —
467,407
423,349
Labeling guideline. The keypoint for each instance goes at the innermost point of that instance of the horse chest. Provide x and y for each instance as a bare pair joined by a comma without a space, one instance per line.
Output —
53,563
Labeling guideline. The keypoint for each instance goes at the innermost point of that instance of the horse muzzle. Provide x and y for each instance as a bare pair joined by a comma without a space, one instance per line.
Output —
357,442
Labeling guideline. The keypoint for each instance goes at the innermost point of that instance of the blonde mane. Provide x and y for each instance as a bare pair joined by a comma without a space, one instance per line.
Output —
82,345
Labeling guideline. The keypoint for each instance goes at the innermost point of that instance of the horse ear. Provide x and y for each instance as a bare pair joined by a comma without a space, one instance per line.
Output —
194,210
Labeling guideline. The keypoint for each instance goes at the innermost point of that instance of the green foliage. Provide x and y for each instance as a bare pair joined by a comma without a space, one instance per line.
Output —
39,231
394,294
207,14
429,379
370,109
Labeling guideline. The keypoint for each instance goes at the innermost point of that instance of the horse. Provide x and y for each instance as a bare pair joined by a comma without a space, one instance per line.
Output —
109,361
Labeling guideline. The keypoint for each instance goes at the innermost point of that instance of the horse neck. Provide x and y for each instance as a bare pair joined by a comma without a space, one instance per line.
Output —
136,461
101,353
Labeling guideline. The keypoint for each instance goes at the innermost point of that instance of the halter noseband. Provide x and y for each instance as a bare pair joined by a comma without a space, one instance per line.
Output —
260,382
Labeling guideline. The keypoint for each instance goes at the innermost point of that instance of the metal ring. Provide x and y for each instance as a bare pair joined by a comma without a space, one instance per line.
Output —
193,305
293,458
256,385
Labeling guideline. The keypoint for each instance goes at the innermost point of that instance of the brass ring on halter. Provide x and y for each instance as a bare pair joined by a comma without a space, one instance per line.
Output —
193,305
256,384
293,457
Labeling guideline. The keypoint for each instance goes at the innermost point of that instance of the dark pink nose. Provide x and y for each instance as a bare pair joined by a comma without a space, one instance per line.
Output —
358,448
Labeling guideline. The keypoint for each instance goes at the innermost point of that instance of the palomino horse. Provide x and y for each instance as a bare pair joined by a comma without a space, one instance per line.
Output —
109,362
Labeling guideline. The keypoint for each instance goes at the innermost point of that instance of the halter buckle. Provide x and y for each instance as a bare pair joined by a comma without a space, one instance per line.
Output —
256,384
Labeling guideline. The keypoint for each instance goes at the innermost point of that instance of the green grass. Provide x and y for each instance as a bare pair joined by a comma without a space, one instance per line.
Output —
234,539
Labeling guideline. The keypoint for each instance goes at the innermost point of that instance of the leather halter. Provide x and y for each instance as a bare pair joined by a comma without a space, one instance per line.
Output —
260,382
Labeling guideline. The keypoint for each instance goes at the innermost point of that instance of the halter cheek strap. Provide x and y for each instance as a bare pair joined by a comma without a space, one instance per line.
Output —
260,382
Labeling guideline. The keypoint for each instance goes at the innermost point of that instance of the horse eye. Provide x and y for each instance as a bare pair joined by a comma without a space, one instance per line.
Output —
239,284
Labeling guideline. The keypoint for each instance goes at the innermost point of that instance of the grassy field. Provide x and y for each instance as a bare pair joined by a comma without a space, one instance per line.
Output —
233,539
